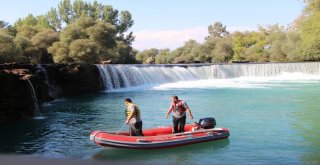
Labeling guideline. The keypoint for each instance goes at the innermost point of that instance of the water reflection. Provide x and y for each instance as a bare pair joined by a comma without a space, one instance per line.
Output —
178,154
308,124
268,126
17,137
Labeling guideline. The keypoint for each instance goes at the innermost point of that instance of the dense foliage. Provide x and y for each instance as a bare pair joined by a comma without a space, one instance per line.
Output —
73,32
92,32
272,43
299,41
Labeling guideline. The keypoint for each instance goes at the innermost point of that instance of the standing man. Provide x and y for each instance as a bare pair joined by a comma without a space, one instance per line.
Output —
179,108
133,118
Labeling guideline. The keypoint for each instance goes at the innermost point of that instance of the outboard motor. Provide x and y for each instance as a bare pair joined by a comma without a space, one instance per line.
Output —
207,123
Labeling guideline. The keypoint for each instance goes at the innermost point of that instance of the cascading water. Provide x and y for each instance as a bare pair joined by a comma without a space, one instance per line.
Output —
54,91
270,70
123,76
34,98
41,68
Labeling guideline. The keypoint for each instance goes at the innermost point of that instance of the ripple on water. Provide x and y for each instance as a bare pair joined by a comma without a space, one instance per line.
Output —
271,125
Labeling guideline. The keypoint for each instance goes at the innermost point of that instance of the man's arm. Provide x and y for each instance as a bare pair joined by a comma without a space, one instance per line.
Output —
169,111
188,109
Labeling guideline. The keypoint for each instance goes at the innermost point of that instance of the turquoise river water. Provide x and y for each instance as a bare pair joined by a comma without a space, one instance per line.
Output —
271,121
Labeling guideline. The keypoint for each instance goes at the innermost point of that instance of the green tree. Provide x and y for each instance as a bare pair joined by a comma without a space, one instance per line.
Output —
217,45
30,20
223,51
310,31
148,54
34,41
100,38
76,22
10,29
79,8
40,21
292,46
312,6
65,11
275,38
69,12
124,53
190,52
84,50
54,19
239,45
124,24
250,46
9,52
217,30
209,46
40,43
3,24
23,41
164,57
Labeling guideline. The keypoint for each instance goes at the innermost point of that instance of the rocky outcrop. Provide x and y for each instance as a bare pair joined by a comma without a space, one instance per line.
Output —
75,78
106,62
17,100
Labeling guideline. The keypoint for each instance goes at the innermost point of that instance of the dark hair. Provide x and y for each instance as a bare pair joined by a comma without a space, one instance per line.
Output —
128,100
175,97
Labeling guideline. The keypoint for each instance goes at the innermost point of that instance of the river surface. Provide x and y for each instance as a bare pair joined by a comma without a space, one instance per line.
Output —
271,121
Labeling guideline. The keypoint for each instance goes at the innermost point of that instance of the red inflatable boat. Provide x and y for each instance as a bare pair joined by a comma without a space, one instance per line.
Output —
162,137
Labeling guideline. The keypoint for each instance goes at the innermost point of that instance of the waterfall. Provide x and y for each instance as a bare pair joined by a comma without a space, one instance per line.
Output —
54,91
123,76
41,68
34,98
271,69
105,77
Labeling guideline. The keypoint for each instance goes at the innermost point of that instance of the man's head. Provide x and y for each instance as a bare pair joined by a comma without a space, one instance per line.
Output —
175,99
127,101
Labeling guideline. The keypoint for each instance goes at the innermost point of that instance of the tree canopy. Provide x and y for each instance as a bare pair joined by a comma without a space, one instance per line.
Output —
79,31
310,31
299,41
76,31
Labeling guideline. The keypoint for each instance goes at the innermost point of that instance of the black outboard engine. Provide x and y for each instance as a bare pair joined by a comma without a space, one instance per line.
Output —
207,123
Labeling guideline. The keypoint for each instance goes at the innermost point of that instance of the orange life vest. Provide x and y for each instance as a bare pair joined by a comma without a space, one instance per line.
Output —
181,107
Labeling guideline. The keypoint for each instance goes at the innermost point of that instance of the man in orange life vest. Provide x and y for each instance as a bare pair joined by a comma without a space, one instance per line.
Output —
179,108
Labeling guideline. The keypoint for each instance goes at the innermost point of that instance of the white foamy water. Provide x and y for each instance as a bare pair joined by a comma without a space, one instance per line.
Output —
242,82
121,78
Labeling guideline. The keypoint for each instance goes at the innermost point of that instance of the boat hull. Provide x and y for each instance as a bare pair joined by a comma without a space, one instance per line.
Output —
158,138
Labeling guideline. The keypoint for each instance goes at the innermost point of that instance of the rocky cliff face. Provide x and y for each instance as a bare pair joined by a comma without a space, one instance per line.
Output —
75,78
16,100
20,82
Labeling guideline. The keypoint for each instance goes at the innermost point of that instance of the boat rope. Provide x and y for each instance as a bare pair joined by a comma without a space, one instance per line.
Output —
120,129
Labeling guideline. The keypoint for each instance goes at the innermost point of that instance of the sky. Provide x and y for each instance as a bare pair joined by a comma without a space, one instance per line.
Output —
169,23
